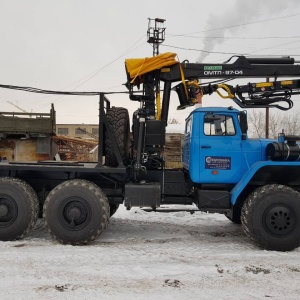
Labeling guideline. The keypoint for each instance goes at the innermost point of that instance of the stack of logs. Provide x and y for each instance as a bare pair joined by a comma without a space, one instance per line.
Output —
173,152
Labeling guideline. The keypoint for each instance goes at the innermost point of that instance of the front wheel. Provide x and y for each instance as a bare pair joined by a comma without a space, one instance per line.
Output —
271,217
76,212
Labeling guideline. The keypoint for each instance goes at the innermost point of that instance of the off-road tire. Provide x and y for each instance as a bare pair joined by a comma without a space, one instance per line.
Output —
76,212
271,217
118,119
19,208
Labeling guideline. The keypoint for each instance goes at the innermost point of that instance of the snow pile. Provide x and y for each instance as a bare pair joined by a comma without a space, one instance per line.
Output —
149,255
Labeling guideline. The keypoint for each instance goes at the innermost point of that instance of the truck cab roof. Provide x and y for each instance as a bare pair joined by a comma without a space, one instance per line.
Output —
215,110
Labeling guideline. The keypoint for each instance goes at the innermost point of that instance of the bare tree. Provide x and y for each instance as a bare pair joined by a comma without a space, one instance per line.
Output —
278,121
275,124
291,124
173,121
256,120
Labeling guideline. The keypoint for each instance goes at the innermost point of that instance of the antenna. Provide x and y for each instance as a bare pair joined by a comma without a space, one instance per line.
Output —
156,33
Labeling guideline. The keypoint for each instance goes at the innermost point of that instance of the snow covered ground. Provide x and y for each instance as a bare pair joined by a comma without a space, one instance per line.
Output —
150,255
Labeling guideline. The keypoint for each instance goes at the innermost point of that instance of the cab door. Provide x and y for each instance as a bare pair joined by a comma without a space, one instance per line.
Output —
220,149
186,143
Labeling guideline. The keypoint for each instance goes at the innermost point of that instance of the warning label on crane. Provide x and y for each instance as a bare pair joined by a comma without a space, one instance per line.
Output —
218,162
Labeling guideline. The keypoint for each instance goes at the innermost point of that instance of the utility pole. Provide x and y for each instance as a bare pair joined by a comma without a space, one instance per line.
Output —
267,117
156,36
156,33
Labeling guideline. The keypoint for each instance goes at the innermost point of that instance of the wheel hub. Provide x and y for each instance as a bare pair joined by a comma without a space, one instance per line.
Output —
8,210
279,220
74,213
3,210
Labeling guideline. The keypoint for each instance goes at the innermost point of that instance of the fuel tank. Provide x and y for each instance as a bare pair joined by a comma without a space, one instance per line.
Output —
287,150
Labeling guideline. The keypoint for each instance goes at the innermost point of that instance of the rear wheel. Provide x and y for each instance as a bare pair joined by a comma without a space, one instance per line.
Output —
19,208
76,212
271,217
118,120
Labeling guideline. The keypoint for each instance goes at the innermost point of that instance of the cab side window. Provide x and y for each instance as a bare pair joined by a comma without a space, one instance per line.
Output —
218,125
188,126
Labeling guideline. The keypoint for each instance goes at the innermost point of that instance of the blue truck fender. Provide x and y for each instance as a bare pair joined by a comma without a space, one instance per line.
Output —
240,186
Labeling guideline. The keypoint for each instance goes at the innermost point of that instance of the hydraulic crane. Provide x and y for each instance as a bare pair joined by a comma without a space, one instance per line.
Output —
150,72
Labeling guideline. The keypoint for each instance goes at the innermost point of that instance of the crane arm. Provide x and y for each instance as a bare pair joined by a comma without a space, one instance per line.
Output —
264,94
252,95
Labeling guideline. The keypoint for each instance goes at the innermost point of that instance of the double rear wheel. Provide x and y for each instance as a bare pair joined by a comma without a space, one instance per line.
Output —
76,212
19,207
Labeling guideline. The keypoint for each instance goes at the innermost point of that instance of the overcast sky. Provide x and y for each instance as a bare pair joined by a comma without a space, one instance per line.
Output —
74,45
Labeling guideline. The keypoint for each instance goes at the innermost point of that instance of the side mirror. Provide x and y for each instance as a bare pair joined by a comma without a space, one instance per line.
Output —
243,124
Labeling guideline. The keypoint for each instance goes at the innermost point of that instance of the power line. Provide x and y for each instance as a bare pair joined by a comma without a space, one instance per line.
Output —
238,25
205,51
108,64
50,92
93,74
219,52
241,38
276,46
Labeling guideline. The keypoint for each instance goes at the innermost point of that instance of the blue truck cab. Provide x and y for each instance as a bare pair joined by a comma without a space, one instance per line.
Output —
216,147
213,146
226,166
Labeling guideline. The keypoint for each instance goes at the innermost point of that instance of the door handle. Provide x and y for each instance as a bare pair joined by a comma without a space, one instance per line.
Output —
205,147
